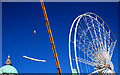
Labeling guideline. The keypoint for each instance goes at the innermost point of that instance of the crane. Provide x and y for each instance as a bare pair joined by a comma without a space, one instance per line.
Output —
51,38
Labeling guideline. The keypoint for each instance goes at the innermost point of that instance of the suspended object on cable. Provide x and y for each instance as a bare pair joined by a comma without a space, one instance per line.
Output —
91,45
30,58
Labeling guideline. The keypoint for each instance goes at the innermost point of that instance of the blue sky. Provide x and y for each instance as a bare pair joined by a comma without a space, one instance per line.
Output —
20,19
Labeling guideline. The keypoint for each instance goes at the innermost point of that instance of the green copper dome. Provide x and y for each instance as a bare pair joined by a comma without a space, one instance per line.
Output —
0,71
74,70
8,69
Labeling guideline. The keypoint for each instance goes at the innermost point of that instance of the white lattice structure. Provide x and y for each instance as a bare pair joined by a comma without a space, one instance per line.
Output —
91,42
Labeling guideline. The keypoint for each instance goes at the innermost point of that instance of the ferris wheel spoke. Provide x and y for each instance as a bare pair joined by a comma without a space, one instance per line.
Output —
88,66
90,33
96,33
86,47
84,50
100,35
80,63
93,48
96,71
112,50
85,53
104,30
104,35
84,60
102,25
85,64
88,62
109,43
88,50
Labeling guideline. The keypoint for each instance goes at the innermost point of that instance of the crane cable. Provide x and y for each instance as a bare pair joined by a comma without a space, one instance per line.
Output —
35,44
51,38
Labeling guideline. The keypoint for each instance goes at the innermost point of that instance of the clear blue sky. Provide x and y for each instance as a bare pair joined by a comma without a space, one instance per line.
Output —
20,19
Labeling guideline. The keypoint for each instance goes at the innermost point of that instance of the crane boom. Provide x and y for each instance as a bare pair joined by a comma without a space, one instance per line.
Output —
51,38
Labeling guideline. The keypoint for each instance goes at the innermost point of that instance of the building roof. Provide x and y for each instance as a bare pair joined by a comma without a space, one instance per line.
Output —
8,68
74,70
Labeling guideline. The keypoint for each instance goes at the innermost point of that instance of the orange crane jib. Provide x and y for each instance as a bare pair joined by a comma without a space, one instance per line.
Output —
51,38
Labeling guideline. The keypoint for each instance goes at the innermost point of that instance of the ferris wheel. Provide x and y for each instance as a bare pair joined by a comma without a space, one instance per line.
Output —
91,45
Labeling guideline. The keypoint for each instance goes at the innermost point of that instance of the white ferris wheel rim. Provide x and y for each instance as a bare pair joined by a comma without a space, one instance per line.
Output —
78,18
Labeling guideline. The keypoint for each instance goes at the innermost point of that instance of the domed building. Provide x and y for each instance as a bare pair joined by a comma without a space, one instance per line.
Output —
8,69
74,71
